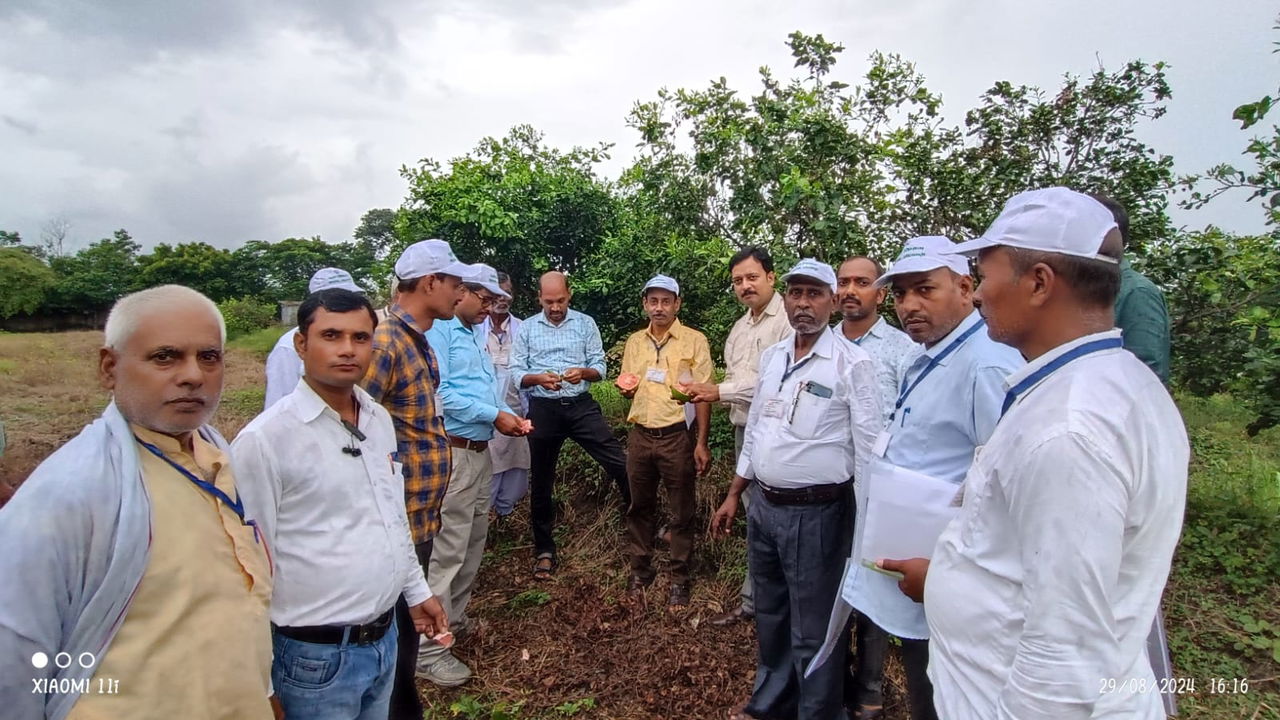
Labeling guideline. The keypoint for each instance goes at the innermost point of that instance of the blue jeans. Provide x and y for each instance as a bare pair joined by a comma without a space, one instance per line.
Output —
334,682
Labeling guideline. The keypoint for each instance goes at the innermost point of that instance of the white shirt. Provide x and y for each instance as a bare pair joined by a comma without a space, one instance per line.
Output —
953,409
796,438
284,369
748,338
335,524
1044,587
894,351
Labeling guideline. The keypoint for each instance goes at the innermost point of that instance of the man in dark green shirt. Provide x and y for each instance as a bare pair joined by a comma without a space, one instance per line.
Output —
1140,311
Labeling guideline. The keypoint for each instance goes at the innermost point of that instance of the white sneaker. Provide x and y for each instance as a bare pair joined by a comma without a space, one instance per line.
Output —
445,671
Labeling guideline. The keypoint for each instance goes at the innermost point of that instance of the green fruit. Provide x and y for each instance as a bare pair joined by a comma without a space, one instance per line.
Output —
676,394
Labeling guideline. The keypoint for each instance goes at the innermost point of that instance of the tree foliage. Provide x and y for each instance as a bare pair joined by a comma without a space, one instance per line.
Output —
27,281
513,203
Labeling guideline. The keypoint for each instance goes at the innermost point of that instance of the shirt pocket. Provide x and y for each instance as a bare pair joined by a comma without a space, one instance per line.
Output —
973,495
807,414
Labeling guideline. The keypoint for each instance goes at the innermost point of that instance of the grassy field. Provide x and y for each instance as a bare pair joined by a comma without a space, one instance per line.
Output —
573,648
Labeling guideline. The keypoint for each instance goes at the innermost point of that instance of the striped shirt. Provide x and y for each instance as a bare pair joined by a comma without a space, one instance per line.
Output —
403,377
541,347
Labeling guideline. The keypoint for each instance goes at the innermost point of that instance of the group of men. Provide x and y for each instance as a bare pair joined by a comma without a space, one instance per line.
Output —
326,557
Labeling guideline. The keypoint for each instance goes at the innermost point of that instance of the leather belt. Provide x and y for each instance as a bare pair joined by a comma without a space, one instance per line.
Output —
570,400
366,634
811,495
663,431
465,444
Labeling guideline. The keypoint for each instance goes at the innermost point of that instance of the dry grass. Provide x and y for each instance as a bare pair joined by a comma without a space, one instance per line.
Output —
49,390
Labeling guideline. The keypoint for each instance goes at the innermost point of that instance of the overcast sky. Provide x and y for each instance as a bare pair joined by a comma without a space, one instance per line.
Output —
235,120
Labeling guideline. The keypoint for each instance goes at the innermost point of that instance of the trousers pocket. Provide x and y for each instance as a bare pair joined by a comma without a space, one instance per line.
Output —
312,672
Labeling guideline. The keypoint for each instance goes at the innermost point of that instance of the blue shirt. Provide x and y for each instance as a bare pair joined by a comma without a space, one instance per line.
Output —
894,352
468,388
541,347
935,432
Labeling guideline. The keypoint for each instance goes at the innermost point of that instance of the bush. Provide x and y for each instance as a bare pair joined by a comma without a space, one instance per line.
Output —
245,315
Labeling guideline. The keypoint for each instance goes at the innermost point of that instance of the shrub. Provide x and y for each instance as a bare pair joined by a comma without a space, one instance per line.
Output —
245,315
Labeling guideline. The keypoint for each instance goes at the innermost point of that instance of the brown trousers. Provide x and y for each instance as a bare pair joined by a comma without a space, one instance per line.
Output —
667,460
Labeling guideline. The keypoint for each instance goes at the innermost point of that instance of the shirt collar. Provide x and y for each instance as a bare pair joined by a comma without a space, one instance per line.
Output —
672,332
495,326
406,318
1027,370
308,406
973,319
542,318
824,347
773,307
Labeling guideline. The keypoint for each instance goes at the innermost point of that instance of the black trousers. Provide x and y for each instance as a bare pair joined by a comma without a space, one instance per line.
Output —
405,703
554,421
864,686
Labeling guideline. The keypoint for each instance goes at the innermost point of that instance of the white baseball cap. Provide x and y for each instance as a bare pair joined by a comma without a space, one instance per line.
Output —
429,257
330,278
662,282
486,277
810,268
1053,219
923,254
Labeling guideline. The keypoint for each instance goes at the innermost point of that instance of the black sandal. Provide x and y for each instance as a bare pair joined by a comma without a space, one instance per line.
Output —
544,570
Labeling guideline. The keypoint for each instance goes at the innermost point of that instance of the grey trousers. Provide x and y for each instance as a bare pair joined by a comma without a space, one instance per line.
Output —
797,555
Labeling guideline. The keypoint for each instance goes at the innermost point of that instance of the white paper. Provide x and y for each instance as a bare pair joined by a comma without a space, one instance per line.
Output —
906,512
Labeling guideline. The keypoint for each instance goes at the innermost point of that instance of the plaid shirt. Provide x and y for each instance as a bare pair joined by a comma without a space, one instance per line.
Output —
403,377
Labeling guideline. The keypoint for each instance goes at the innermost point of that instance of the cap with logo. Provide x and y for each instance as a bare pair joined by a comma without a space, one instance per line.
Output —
924,254
1054,219
814,270
330,278
429,257
662,282
486,277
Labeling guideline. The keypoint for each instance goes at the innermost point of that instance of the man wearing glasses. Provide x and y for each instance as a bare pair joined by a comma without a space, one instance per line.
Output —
473,409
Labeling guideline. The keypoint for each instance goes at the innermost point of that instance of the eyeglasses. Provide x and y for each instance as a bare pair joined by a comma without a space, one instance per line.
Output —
486,299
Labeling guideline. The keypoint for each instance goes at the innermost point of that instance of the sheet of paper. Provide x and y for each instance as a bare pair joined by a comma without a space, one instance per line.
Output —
906,512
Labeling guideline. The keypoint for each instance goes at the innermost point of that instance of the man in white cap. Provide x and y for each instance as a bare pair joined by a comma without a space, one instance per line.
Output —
946,406
510,455
1042,590
663,358
403,377
814,417
473,408
284,366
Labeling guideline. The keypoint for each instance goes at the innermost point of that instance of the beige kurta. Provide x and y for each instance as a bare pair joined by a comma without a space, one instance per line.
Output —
196,640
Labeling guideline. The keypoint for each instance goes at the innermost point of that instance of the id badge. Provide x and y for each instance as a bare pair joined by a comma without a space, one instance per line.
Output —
881,445
657,375
773,407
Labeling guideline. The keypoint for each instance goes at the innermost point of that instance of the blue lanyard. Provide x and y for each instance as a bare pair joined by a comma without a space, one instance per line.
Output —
790,370
236,505
1087,349
933,363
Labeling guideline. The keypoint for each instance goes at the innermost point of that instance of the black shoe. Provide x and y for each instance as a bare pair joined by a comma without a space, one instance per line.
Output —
679,597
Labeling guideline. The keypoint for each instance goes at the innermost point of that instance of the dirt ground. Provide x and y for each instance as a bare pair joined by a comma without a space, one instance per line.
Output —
568,647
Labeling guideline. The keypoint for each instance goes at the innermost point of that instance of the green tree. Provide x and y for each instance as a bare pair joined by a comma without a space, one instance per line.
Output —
96,276
200,266
513,203
27,280
9,238
281,271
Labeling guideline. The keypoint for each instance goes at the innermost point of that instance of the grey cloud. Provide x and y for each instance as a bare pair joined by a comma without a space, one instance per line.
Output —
20,125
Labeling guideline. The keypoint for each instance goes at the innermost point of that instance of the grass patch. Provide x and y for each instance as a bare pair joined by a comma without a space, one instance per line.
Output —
1223,595
258,342
7,367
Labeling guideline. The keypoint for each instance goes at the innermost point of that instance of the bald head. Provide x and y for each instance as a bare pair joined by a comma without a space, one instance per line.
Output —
554,295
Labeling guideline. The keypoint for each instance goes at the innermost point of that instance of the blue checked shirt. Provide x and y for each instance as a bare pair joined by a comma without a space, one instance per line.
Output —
403,378
541,347
468,383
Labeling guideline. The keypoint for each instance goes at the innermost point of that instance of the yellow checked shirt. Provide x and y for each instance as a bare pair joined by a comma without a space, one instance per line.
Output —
196,640
658,365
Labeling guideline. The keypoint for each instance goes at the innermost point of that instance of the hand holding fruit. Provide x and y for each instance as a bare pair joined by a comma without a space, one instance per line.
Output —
627,384
702,392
